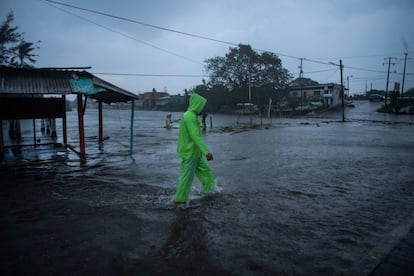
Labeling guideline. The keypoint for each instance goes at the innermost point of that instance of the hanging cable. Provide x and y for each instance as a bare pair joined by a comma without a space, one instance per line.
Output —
50,2
151,75
120,33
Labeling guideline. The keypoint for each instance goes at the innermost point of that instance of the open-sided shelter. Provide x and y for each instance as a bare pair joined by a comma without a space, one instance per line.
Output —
39,93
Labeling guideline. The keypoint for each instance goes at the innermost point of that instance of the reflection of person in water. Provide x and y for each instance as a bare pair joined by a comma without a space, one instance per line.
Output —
168,121
203,121
187,237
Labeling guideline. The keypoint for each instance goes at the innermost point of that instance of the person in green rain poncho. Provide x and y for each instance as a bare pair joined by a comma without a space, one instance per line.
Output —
191,149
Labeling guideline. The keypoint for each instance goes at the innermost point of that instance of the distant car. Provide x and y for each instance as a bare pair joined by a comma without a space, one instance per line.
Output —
376,98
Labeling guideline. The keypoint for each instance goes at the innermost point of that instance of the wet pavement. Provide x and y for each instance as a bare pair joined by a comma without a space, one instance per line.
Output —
295,196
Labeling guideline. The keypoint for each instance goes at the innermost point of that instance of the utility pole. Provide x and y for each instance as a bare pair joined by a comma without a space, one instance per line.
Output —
388,78
301,82
250,85
347,84
342,91
342,87
403,80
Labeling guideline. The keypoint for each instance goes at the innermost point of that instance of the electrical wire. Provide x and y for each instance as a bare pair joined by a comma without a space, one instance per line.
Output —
319,71
151,75
362,56
161,28
367,70
195,36
139,22
120,33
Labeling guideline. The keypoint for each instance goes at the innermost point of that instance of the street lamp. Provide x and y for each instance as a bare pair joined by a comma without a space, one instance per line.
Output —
342,88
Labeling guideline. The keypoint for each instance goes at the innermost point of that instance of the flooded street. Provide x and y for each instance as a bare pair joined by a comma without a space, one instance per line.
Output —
303,196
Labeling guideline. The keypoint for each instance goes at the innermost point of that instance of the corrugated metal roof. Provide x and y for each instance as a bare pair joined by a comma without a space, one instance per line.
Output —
113,93
33,81
37,81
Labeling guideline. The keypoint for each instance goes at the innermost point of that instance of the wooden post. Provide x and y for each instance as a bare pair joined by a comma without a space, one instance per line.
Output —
34,131
1,137
131,146
64,123
81,127
53,127
100,136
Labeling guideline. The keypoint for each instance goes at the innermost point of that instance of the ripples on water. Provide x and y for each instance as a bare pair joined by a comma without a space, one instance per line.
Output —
307,196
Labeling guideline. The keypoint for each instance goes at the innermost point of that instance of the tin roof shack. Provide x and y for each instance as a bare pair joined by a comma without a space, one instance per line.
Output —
41,93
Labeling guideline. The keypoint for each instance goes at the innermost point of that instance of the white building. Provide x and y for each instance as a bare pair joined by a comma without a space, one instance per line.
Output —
329,94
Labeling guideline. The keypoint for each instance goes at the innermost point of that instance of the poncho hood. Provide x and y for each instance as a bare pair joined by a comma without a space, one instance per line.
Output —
197,103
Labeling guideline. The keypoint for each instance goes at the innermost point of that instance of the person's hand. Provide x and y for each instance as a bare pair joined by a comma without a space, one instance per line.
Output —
209,157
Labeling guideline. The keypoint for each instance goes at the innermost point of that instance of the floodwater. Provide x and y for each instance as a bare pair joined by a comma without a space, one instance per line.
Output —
303,196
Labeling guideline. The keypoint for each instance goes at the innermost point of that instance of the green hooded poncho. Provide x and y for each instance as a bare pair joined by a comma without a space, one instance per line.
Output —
190,142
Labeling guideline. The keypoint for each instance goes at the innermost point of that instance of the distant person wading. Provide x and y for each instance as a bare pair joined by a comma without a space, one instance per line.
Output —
191,149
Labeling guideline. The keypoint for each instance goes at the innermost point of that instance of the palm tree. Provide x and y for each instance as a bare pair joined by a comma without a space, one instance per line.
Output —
23,52
8,36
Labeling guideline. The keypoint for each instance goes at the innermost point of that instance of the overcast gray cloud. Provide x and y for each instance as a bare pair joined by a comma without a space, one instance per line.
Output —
361,33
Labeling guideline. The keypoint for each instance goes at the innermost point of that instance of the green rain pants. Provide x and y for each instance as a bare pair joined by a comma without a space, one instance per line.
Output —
188,168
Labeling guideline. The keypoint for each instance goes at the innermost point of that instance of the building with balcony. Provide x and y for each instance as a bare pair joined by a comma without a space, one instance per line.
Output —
328,94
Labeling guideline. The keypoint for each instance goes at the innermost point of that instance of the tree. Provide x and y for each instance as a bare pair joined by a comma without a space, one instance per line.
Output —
8,35
22,52
233,70
14,50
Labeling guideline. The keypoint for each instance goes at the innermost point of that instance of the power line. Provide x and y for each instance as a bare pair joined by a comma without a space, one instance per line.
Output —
122,34
334,72
367,70
139,22
351,57
378,77
189,34
159,27
150,75
318,71
316,61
